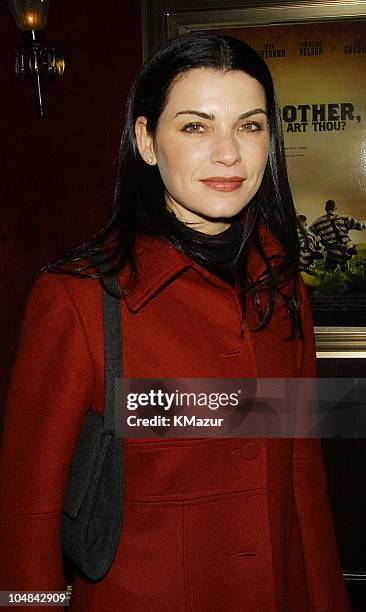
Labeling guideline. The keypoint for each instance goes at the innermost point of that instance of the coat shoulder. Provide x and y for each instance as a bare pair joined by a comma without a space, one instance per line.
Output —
65,289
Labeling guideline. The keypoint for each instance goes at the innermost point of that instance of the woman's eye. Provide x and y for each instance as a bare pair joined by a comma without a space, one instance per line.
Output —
251,126
193,128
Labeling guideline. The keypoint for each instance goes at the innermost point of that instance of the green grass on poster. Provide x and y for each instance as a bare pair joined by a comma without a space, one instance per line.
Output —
351,281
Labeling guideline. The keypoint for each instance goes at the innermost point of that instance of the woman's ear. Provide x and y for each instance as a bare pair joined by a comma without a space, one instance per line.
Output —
145,141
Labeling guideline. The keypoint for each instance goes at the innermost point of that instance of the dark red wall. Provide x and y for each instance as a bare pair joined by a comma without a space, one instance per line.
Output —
57,173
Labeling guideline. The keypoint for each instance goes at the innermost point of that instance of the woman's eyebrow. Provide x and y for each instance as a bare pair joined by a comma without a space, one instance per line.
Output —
255,111
194,112
211,117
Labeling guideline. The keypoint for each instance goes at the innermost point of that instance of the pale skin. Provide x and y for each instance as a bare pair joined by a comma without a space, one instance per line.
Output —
214,125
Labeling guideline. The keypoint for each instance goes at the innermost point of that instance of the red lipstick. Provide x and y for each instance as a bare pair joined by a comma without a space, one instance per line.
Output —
223,183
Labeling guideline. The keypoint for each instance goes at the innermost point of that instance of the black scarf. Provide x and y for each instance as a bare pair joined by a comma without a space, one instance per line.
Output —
220,249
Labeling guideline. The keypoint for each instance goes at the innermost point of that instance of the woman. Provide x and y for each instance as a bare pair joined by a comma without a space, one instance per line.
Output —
203,238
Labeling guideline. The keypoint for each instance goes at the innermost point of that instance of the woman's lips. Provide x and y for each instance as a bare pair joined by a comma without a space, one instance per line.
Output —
222,183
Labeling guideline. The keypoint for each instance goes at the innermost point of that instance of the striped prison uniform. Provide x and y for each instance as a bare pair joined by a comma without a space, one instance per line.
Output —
332,230
310,246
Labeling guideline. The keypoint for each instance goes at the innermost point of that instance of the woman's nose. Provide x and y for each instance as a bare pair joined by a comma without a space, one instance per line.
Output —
225,150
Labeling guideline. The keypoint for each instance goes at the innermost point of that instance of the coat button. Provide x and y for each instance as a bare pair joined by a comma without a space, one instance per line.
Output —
250,451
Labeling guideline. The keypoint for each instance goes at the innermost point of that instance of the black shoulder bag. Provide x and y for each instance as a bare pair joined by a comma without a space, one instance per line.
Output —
93,503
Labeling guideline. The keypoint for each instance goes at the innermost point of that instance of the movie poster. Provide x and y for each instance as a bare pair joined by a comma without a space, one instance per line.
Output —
319,71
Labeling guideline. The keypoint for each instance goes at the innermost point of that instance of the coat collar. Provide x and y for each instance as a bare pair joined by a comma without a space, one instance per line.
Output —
159,262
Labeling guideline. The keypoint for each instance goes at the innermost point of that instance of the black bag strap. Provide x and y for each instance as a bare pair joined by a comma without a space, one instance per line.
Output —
112,355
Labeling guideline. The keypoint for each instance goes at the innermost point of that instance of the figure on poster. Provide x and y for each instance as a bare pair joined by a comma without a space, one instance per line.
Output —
310,246
333,230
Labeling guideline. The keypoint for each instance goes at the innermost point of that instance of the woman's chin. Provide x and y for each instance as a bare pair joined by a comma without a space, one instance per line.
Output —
223,213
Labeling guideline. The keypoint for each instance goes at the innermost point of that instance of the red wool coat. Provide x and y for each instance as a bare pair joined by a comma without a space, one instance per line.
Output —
210,525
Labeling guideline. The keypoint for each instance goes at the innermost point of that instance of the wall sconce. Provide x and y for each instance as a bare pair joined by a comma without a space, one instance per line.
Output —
42,61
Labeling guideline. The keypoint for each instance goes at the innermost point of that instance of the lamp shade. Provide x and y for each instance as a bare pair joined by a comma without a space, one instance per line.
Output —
30,14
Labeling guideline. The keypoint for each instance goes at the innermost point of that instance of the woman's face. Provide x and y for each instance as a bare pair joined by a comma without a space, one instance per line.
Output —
211,146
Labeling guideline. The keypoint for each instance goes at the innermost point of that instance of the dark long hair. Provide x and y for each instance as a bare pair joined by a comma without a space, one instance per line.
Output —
139,203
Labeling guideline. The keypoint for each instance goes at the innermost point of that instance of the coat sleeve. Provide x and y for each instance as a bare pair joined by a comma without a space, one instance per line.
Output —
50,389
326,586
